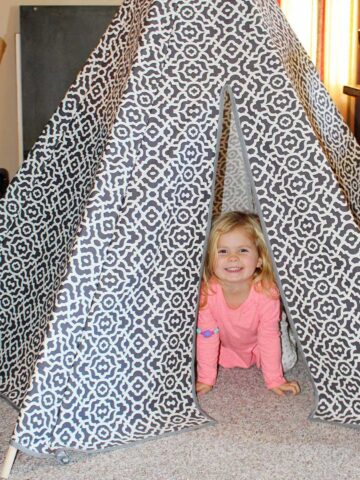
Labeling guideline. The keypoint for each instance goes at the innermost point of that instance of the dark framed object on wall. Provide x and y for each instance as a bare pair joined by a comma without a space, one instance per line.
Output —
55,43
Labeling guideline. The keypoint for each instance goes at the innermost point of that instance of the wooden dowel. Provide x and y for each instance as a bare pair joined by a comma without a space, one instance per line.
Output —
2,47
8,463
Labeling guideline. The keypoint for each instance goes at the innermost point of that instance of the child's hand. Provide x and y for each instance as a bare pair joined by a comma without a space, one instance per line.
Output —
291,387
202,388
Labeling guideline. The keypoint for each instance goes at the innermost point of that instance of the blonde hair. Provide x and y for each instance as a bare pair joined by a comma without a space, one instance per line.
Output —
263,279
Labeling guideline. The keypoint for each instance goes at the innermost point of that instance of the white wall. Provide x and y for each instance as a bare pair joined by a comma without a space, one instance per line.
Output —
9,26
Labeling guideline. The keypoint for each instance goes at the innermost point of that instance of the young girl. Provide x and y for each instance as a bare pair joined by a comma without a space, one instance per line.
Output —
238,324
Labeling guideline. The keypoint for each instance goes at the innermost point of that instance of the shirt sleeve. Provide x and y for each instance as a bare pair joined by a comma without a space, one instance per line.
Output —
207,346
269,342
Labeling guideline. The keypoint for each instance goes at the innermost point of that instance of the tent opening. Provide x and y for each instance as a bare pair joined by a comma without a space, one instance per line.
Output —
233,190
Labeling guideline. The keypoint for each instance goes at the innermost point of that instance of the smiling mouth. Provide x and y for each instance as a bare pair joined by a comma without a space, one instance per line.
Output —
233,269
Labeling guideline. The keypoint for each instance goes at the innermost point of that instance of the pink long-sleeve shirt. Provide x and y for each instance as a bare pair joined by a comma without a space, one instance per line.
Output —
244,336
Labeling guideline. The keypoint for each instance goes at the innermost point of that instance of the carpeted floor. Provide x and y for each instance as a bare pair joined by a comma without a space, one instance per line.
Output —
258,437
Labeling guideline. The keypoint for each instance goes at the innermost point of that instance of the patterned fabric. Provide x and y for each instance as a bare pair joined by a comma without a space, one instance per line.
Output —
103,230
337,142
40,215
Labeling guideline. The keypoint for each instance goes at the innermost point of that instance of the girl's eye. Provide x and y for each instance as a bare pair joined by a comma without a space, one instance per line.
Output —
243,250
222,251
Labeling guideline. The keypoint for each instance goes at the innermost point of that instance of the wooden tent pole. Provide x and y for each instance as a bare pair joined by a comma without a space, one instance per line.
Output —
8,463
2,47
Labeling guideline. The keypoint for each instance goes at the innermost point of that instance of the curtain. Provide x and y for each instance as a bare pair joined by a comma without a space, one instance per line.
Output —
328,32
303,17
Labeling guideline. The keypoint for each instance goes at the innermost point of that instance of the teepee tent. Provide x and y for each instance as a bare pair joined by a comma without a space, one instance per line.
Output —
103,229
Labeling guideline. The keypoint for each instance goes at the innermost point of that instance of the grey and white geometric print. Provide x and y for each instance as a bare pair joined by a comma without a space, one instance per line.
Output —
103,230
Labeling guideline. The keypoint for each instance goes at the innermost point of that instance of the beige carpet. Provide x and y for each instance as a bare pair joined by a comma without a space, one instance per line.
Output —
258,437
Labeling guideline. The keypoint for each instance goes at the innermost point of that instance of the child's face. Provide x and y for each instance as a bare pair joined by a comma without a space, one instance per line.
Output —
236,258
